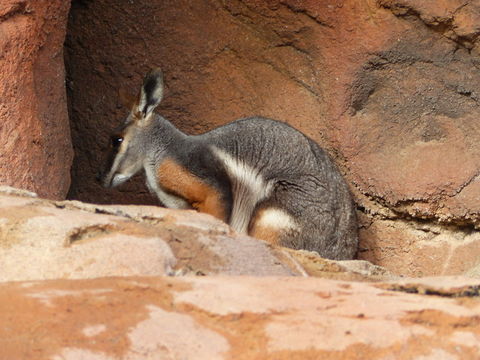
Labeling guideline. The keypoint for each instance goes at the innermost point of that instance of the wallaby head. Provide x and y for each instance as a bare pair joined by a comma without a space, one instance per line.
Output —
130,142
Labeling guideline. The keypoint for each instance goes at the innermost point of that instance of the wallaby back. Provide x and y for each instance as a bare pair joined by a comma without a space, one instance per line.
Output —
262,176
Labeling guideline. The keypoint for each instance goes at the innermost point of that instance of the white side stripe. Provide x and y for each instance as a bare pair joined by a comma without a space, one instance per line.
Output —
248,189
276,219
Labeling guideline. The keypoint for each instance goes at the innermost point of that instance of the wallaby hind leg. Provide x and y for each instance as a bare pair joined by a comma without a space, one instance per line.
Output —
279,227
274,225
305,217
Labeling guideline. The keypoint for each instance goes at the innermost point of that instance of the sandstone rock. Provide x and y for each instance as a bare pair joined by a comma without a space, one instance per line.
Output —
42,239
474,272
456,19
35,147
9,190
353,270
447,286
233,318
51,240
417,249
213,317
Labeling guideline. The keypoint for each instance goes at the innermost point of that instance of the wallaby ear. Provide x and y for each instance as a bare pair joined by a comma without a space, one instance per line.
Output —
151,93
126,98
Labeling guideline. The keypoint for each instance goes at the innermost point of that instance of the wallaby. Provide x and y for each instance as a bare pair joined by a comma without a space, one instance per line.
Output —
261,176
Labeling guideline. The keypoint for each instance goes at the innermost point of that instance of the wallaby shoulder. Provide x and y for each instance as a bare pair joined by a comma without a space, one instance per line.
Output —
273,147
196,155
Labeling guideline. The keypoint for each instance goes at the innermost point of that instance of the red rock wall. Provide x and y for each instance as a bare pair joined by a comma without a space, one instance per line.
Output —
389,87
35,145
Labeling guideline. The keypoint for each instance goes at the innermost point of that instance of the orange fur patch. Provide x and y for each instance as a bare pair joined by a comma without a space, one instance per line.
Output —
264,233
176,179
259,231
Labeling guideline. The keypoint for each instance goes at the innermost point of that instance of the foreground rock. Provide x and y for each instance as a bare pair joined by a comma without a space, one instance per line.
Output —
234,318
47,240
41,239
97,309
35,146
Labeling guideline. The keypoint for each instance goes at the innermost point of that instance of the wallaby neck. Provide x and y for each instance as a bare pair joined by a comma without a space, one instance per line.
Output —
163,134
167,128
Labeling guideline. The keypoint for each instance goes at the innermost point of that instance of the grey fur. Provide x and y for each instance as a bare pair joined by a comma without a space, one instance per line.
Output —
305,183
269,165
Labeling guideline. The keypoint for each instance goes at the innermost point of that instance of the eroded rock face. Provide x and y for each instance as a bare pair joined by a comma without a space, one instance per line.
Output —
53,240
35,145
121,282
389,87
237,318
41,239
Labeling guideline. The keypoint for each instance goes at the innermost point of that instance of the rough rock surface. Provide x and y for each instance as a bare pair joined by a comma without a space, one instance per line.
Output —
42,239
389,87
47,240
235,318
35,145
111,298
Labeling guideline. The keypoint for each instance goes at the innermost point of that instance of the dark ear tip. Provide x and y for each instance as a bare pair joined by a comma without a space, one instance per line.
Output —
155,73
152,91
153,79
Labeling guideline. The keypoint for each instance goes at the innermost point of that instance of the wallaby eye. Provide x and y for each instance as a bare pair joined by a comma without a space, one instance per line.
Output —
116,141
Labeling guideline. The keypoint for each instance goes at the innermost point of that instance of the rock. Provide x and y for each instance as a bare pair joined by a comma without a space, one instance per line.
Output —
474,272
416,249
447,286
233,318
9,190
35,151
41,239
353,270
456,19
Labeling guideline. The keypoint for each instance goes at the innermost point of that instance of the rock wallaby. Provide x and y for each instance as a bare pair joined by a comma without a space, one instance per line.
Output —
261,176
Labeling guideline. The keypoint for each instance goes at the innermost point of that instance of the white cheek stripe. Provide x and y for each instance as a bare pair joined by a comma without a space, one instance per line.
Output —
113,170
276,219
248,189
